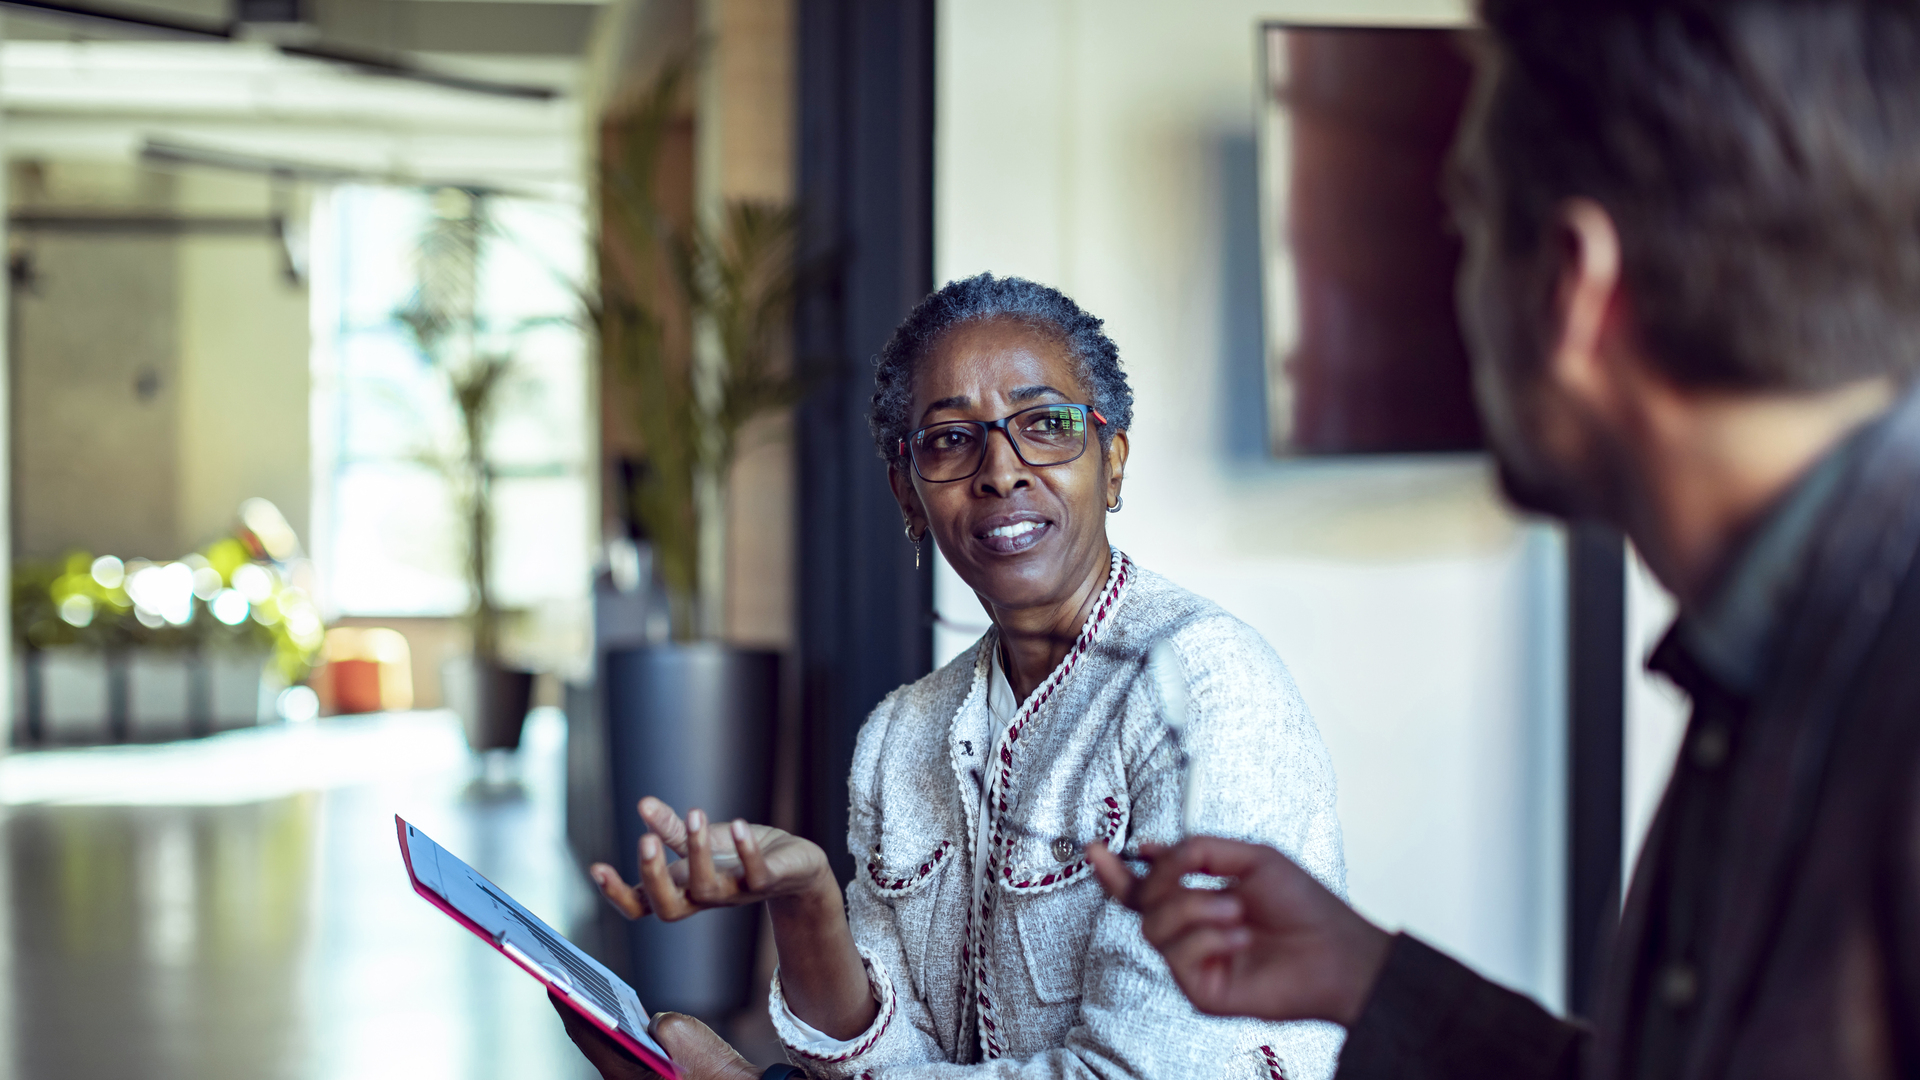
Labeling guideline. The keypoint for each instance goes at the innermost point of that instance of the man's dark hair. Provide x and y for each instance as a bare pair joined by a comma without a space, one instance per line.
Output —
977,299
1760,159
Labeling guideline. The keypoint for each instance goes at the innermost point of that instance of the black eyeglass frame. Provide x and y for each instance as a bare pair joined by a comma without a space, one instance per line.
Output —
988,427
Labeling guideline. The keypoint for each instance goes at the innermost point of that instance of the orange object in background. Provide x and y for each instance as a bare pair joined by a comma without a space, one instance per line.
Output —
367,669
353,686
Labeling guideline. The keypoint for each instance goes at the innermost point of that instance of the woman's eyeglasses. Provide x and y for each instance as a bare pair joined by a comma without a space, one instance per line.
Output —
1043,435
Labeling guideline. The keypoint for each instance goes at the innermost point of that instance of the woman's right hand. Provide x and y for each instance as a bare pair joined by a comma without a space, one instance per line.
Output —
695,1049
719,866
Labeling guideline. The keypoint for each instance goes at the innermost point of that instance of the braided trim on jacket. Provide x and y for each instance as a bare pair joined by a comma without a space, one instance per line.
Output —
1000,848
901,886
1274,1070
883,991
1075,870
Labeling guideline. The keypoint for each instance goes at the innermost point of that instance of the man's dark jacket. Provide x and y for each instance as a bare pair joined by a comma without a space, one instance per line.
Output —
1813,947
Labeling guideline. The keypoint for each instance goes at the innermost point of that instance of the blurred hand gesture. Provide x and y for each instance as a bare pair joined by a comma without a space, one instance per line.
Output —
1274,944
719,866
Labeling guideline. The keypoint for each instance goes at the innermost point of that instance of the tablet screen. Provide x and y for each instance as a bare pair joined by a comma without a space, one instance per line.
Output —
529,941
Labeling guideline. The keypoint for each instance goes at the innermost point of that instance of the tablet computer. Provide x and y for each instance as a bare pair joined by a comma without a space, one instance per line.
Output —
597,994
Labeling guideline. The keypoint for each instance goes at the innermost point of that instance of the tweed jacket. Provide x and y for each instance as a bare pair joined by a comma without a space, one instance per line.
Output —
1036,973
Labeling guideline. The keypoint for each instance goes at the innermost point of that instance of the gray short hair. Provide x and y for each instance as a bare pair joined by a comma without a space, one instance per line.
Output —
977,299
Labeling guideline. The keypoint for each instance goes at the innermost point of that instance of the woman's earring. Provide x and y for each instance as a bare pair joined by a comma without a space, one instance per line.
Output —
915,541
1117,500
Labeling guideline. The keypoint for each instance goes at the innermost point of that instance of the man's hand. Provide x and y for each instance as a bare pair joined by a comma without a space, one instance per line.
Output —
695,1049
1274,944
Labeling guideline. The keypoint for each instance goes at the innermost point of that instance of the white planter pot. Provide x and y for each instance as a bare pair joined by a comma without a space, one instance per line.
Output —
460,691
165,694
236,690
159,695
17,705
75,696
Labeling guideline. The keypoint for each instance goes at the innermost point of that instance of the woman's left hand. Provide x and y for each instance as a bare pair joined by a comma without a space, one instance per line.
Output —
697,1052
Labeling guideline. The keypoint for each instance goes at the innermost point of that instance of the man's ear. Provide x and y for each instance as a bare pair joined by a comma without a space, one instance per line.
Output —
911,510
1588,325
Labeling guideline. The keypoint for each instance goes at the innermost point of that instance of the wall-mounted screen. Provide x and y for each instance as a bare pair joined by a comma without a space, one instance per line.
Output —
1364,354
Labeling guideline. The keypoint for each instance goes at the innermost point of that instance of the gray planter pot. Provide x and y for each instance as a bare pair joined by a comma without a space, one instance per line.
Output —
692,725
236,694
159,695
75,691
72,695
491,701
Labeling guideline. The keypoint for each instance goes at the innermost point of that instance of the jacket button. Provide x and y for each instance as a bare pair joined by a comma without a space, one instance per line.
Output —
1679,985
1065,849
1711,746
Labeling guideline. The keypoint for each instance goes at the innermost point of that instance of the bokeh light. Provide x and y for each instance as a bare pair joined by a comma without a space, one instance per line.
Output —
254,582
77,610
109,572
229,606
164,591
298,704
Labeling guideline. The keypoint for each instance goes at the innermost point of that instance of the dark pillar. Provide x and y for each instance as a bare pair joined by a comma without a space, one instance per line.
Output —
1596,729
866,187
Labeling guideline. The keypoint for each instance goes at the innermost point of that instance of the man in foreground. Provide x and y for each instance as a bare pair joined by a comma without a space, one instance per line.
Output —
1693,296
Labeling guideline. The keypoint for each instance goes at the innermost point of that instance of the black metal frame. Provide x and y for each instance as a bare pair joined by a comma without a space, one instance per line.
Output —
988,427
866,192
1596,744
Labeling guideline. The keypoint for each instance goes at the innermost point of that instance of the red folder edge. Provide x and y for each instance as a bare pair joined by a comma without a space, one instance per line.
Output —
647,1057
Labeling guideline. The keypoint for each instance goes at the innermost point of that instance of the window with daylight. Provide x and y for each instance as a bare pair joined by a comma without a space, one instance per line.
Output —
393,479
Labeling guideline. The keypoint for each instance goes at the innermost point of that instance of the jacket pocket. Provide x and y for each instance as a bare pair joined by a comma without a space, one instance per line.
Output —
1047,885
900,881
1055,930
895,877
1048,854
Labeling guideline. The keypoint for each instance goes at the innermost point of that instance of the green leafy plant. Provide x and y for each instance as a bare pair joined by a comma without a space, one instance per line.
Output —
449,330
222,597
695,315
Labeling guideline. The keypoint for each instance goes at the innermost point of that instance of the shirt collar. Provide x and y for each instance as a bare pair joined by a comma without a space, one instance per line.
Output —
1730,638
1001,704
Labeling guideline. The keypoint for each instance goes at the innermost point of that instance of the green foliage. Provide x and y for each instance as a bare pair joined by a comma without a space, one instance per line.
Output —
727,289
66,602
450,332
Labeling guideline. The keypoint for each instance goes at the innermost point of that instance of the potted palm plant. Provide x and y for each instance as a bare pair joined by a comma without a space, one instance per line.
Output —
692,314
476,360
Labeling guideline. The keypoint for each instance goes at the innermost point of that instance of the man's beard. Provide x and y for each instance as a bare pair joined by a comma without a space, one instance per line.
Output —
1532,492
1585,489
1510,396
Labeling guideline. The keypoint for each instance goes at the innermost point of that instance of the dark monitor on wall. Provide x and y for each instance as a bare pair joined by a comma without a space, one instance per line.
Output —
1364,353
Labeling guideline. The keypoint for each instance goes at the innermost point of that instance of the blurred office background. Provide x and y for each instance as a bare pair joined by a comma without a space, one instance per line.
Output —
307,295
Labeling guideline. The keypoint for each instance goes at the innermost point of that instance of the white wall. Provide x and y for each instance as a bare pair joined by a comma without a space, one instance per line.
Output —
1107,147
1656,712
243,367
208,323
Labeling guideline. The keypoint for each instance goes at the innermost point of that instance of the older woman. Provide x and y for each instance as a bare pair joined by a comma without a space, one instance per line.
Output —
975,936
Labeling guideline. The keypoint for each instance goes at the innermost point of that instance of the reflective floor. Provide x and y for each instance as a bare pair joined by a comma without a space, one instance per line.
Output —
236,907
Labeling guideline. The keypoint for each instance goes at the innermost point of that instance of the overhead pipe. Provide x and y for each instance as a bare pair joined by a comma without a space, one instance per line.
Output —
363,61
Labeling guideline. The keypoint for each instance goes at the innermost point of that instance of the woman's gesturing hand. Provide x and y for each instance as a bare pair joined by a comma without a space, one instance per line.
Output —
726,866
1274,944
720,866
